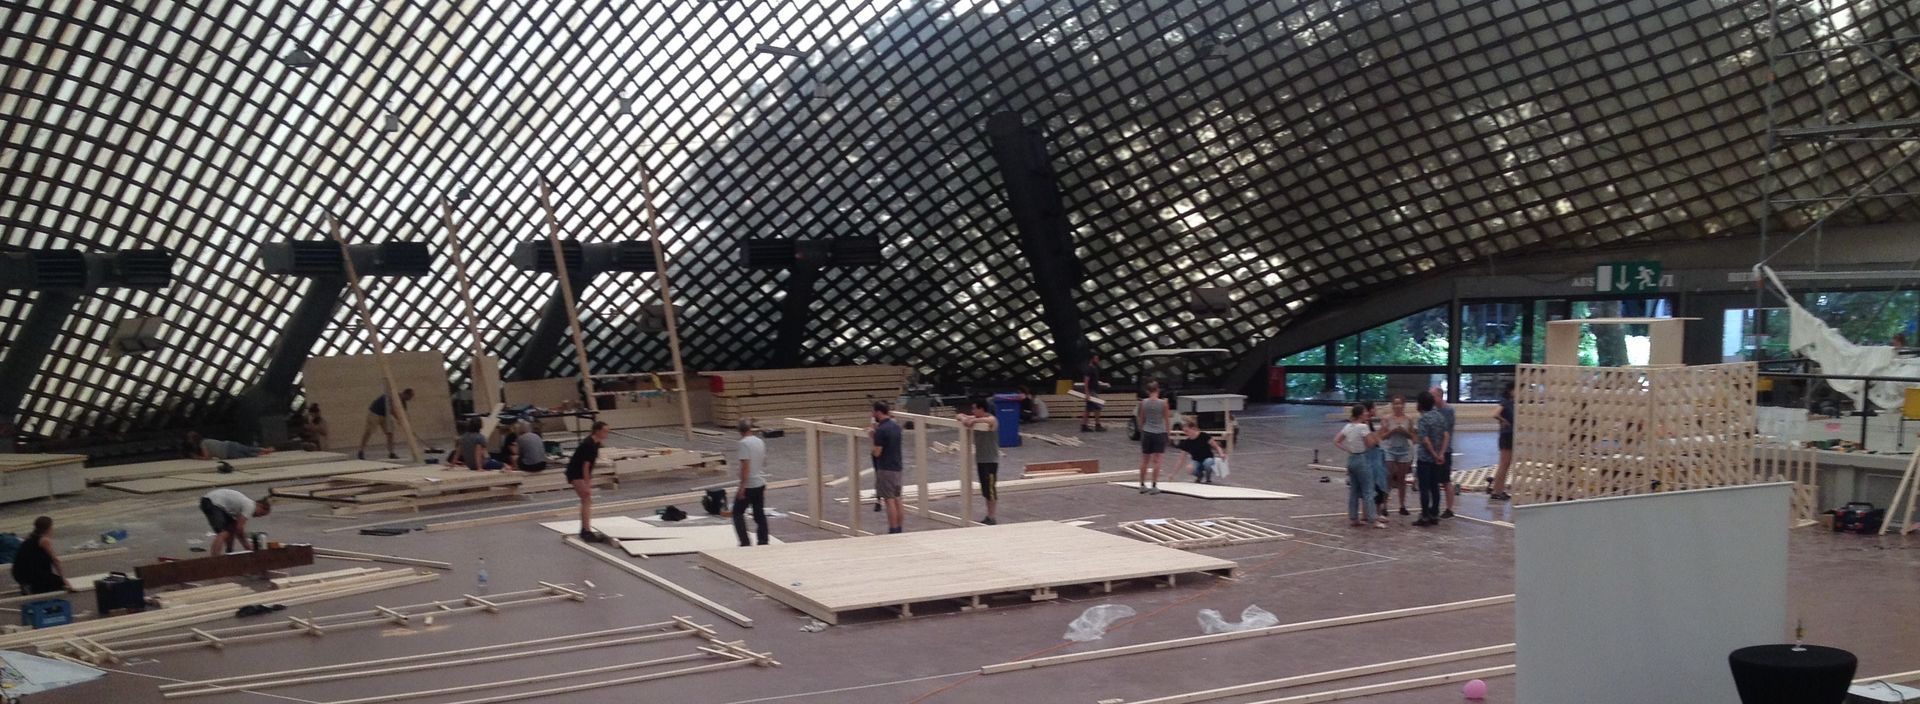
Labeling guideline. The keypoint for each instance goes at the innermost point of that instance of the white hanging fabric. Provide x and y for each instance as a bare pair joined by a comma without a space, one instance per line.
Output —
1814,339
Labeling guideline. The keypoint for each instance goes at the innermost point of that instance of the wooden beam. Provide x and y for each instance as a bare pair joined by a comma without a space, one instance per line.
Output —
1328,676
1396,686
1895,678
566,293
485,393
683,592
376,557
395,405
1157,646
666,298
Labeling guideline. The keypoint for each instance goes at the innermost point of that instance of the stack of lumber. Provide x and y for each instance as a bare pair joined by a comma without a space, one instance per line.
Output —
26,477
768,395
198,595
251,474
1062,407
624,463
81,639
412,488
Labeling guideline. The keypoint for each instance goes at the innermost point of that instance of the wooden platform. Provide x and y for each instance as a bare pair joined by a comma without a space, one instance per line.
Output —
203,481
828,578
169,468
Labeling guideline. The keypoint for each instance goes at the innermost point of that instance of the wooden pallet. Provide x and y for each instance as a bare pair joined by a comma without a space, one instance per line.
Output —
830,578
770,394
1202,533
1061,407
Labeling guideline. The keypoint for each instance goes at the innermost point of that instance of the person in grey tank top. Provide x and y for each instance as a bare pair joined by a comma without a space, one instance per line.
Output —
1152,418
986,453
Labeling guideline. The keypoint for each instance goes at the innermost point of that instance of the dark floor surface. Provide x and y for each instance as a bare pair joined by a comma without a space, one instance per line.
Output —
1862,593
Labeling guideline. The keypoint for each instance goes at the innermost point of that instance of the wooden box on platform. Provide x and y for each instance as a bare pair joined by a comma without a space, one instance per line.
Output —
769,395
201,569
24,477
1583,432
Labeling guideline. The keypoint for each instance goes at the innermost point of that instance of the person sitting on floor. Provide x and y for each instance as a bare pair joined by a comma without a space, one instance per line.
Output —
470,450
204,448
35,566
533,449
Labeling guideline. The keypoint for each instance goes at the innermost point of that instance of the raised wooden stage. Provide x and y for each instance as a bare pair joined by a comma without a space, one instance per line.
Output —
827,578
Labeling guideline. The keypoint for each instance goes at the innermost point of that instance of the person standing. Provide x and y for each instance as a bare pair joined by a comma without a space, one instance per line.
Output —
580,476
1499,487
1434,442
1448,489
1153,416
1202,449
35,567
1398,447
887,464
986,454
1355,438
227,512
379,415
1090,377
1376,460
752,491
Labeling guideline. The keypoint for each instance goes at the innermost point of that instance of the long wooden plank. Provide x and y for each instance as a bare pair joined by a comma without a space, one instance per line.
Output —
1387,687
410,561
661,582
1328,676
1157,646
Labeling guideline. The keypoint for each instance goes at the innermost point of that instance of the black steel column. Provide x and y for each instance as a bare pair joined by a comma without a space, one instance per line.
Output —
543,346
796,310
260,412
1033,198
38,333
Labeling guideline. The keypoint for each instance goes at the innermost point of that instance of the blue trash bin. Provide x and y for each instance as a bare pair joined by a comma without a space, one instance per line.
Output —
1006,408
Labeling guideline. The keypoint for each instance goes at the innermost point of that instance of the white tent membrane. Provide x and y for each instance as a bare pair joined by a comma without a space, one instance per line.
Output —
1819,342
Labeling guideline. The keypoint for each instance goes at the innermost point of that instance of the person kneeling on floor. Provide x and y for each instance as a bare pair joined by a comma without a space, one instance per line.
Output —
1202,449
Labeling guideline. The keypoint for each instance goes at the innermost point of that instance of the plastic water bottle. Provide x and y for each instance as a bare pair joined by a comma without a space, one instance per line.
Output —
480,578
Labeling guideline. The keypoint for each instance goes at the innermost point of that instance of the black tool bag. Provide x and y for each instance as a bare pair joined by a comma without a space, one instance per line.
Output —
714,502
1858,517
119,591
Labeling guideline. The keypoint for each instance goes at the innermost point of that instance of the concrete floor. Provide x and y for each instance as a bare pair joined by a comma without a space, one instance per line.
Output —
1862,593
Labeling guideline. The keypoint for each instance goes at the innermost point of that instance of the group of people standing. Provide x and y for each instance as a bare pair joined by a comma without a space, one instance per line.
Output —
1381,450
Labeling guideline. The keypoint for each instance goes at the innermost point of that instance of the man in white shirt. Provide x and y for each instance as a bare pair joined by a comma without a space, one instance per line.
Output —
227,512
753,484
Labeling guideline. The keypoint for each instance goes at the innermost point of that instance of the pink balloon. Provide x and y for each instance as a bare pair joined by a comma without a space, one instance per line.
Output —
1475,690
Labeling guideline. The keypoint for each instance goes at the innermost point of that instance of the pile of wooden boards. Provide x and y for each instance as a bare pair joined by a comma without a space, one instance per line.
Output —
101,512
25,477
1201,533
410,488
1064,407
202,475
768,395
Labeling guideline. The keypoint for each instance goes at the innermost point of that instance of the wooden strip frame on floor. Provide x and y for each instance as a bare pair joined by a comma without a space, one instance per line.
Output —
1329,676
275,680
1157,646
1396,686
718,609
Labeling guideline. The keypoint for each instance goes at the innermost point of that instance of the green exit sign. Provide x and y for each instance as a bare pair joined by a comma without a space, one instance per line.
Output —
1627,277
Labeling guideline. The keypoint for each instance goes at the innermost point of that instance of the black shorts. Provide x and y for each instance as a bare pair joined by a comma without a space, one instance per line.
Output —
1153,443
1506,441
574,476
218,520
989,473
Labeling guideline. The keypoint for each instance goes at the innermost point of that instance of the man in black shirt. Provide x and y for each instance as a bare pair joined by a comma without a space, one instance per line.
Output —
1090,376
580,475
887,464
1202,449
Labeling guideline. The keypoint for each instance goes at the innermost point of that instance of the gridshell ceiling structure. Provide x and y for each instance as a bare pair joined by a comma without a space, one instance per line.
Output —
1290,152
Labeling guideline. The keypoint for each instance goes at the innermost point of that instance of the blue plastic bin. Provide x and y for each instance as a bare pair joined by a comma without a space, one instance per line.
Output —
46,612
1006,408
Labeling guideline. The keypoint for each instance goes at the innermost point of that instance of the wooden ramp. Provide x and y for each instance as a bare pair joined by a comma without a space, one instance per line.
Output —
827,578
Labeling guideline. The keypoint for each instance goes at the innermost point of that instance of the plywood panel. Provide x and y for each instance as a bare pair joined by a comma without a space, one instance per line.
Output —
1640,598
345,385
829,577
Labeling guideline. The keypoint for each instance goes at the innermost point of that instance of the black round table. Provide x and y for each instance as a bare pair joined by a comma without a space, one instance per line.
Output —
1778,674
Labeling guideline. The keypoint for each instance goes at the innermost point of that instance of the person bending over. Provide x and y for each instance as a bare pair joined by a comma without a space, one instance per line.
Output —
227,512
380,415
1201,448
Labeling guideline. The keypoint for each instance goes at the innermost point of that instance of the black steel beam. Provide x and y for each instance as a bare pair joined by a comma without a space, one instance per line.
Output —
796,310
259,413
543,345
1046,238
38,333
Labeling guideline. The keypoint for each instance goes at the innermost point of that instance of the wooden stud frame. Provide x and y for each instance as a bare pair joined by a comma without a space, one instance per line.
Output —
1584,432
